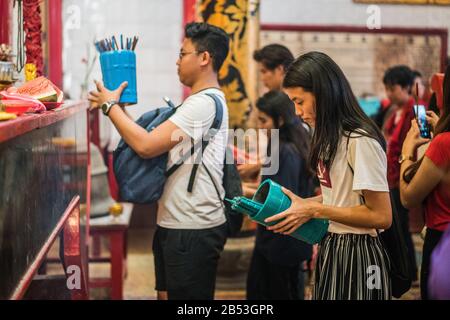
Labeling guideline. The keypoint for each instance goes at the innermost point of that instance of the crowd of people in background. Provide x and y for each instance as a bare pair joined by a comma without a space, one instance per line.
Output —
422,197
367,170
425,196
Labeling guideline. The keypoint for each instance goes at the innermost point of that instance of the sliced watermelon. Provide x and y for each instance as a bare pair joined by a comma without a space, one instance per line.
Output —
41,89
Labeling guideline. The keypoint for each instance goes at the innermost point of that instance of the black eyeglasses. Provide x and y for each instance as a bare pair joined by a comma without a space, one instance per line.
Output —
182,54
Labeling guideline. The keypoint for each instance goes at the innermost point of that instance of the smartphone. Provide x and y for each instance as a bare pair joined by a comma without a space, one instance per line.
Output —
422,122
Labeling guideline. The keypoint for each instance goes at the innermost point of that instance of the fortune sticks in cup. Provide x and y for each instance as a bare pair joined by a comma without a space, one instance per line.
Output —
118,64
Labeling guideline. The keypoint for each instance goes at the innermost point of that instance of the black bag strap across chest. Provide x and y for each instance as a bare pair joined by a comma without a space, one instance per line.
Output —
203,143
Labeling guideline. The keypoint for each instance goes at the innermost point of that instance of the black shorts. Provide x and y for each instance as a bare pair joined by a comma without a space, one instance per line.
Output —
186,261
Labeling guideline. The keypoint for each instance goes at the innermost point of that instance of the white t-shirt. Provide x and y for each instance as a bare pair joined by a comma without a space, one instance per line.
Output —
342,188
201,209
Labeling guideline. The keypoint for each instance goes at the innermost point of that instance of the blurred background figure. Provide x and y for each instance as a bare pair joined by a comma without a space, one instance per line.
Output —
398,82
277,259
273,61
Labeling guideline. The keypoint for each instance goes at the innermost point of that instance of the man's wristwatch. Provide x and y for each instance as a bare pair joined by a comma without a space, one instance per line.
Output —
403,158
106,107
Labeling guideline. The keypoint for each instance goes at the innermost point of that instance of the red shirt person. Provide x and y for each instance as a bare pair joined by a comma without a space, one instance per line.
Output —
398,82
437,203
428,181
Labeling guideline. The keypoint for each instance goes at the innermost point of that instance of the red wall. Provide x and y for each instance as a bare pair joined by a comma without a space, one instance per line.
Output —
5,20
55,40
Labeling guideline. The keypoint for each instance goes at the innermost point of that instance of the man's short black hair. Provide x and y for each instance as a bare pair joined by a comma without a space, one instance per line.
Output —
206,37
401,75
274,55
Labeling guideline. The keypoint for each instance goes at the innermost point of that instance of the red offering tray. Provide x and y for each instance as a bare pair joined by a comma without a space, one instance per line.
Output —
17,110
17,107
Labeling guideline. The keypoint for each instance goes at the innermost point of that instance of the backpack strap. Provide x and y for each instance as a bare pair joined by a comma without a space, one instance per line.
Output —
203,143
184,157
214,183
181,161
215,127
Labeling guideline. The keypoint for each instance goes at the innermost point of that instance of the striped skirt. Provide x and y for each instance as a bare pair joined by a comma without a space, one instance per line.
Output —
352,267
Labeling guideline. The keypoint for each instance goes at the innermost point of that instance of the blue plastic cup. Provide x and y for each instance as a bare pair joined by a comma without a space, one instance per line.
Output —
117,67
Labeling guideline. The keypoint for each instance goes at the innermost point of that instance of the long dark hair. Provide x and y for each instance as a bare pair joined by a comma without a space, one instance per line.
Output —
337,110
443,125
277,105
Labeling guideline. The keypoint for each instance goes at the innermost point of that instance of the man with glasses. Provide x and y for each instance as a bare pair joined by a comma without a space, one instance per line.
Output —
191,226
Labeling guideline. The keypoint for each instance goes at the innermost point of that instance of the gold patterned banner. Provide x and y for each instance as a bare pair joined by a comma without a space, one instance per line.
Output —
238,75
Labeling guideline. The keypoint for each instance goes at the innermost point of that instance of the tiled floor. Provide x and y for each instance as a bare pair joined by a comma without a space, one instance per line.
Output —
140,281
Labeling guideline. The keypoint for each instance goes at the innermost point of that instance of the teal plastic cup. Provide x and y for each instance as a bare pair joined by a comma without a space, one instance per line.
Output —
274,201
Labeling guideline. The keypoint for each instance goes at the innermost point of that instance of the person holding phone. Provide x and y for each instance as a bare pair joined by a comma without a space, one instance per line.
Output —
428,180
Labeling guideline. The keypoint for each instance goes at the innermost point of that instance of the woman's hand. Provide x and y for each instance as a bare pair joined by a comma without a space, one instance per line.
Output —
432,118
413,140
102,95
300,212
